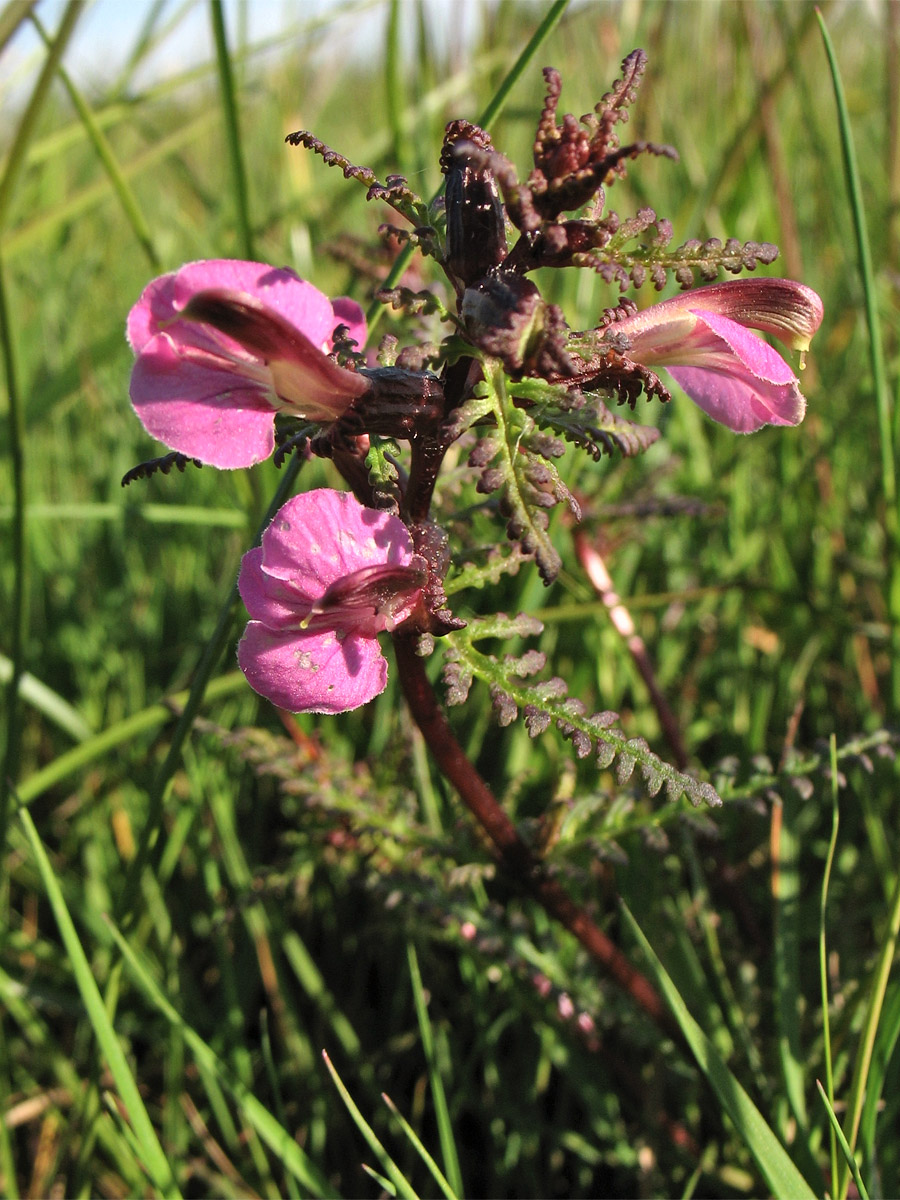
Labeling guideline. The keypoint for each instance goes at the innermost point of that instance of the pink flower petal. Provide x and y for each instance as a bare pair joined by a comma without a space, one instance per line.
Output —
329,575
321,671
207,394
702,338
210,414
736,378
300,375
320,536
278,603
153,309
790,311
281,289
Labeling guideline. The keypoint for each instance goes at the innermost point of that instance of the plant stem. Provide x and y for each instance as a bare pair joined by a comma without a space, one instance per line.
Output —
514,854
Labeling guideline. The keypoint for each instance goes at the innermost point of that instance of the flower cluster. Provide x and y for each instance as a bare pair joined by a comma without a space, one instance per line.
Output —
225,350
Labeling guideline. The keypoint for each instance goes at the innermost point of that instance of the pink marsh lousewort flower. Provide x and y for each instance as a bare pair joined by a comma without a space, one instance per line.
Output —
329,576
701,338
222,345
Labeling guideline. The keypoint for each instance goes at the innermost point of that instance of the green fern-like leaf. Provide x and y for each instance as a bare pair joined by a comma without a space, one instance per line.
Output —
543,702
584,421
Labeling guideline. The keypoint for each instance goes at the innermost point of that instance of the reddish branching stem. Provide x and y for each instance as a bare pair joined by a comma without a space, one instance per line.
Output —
513,853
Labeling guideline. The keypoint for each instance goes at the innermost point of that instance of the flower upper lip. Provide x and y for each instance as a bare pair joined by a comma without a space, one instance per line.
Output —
703,340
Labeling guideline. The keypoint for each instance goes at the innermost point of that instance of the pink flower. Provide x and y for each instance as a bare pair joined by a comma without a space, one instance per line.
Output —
223,345
701,339
329,576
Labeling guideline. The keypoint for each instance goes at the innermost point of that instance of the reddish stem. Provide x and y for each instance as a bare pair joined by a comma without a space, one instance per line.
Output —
513,852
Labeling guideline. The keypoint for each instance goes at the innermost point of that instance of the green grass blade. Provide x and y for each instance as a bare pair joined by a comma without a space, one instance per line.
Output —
150,1151
119,735
435,1081
393,86
786,962
823,957
15,159
773,1161
290,1154
17,615
887,427
104,150
888,1033
537,39
232,129
866,269
211,655
395,1175
275,1087
48,702
13,15
385,1184
310,979
149,35
849,1158
34,233
436,1172
153,514
869,1033
9,1185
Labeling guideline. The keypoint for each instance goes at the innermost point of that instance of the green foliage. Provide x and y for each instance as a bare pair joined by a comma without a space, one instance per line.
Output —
172,1020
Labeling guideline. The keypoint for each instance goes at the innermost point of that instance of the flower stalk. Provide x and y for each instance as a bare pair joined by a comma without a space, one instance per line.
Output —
517,859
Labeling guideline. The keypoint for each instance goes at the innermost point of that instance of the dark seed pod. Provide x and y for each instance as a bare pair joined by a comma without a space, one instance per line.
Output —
476,232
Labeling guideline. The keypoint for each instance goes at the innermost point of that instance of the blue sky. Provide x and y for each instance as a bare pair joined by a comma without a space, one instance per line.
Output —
107,30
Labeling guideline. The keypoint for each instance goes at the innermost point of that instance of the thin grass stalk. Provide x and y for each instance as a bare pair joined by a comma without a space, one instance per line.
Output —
735,152
867,273
98,139
17,615
290,1184
393,86
256,1116
92,750
142,44
838,1133
494,108
775,1165
870,1030
438,1095
15,160
517,70
892,104
212,653
149,1151
888,1034
232,129
416,1142
14,163
36,231
823,955
13,15
396,1179
887,427
9,1185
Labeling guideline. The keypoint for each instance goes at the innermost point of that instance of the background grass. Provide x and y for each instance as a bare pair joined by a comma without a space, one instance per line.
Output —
294,869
